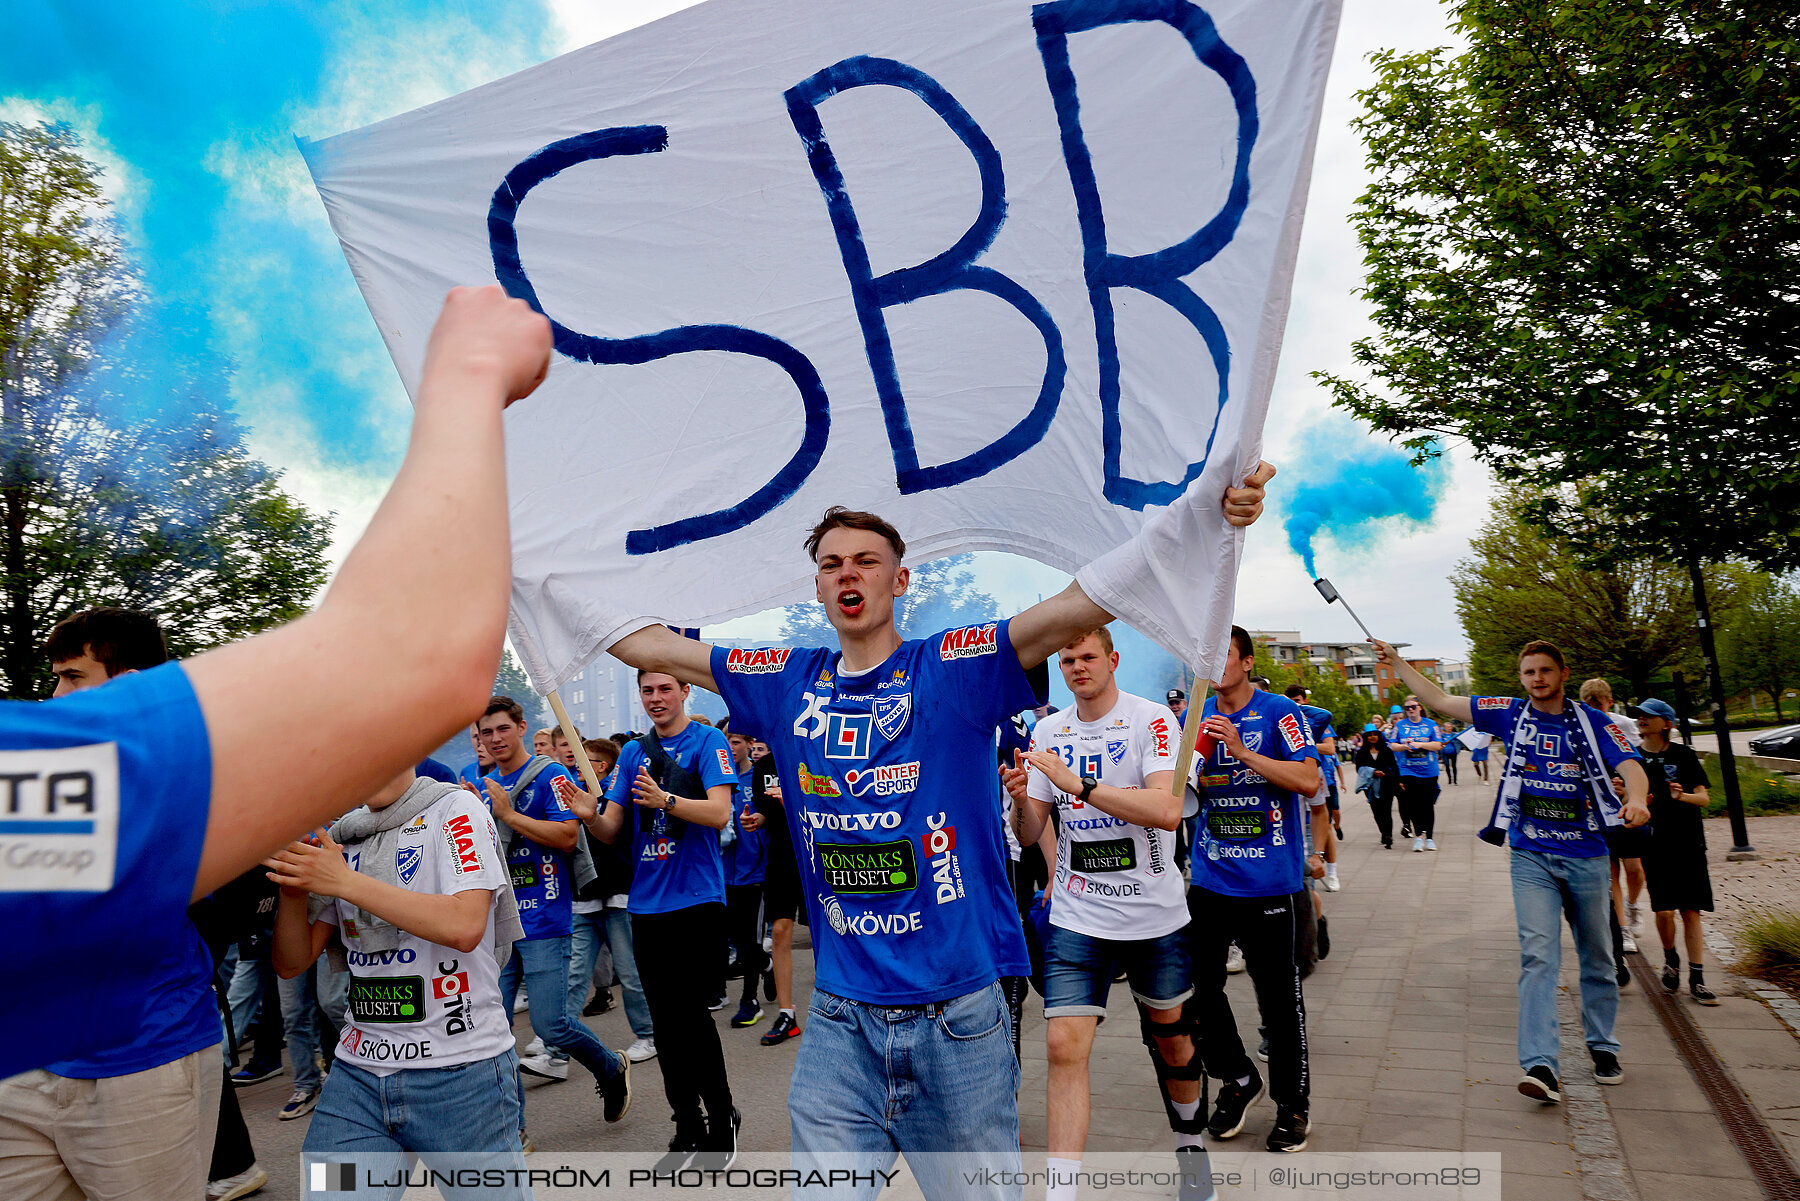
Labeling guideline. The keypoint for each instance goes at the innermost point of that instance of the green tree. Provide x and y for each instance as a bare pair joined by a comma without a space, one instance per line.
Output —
1583,240
1760,644
939,595
123,478
1626,621
1325,688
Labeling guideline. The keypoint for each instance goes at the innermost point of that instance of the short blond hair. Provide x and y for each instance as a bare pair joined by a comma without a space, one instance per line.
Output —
1593,690
1103,633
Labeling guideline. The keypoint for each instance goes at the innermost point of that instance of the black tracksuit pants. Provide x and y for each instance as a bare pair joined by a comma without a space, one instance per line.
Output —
681,962
1264,930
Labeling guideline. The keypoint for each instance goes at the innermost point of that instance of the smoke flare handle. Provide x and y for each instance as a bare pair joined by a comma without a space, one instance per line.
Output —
1331,594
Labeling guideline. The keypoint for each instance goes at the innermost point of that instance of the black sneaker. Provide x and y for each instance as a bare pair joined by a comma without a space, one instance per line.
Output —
1290,1129
602,1003
1606,1068
1234,1101
1671,978
1262,1048
1702,995
689,1141
1323,944
1195,1168
785,1027
1540,1082
748,1014
256,1073
1622,974
721,1147
615,1093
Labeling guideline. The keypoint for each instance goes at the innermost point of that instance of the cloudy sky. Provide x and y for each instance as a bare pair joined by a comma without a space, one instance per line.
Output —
192,108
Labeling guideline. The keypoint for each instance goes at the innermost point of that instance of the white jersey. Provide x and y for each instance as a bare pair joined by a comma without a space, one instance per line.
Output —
422,1005
1113,879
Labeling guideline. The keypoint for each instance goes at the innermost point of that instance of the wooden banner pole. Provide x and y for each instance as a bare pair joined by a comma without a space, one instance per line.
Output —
590,780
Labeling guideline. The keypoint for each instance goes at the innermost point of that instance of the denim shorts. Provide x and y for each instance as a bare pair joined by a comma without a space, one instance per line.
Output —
1079,968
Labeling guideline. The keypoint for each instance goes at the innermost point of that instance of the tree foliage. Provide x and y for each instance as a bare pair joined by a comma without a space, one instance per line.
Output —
941,594
1583,242
1626,622
1759,645
1350,709
123,477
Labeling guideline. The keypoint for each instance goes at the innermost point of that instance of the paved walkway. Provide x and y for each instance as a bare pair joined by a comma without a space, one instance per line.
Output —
1413,1024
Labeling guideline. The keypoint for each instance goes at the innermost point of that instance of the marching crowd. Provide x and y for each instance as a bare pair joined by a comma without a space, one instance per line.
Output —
885,791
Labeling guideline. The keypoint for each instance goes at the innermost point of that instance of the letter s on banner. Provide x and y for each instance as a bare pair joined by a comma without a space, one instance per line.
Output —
1158,274
503,241
953,270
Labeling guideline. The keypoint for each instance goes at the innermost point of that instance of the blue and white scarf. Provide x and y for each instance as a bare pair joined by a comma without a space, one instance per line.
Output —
1593,770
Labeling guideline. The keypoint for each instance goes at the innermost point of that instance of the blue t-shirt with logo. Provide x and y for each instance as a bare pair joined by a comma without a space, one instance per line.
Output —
894,806
676,863
1557,814
541,877
747,858
1251,839
107,792
1416,763
1319,722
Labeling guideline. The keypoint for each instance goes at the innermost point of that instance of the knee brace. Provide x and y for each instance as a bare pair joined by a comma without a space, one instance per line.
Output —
1166,1071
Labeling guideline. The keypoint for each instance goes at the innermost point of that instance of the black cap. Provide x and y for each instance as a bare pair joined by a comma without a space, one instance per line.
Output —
1176,694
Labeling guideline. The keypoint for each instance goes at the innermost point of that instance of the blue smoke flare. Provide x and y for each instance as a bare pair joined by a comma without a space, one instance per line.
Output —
200,98
1350,487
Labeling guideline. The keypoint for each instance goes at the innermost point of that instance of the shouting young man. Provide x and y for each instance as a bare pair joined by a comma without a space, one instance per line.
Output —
1555,805
1117,900
885,748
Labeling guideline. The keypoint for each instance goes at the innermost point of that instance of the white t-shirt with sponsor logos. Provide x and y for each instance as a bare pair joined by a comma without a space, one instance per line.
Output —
422,1005
1114,879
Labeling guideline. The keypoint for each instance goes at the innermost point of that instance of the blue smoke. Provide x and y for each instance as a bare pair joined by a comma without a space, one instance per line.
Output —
200,99
1349,487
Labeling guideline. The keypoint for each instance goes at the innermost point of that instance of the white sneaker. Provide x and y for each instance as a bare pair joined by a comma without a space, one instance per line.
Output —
1634,917
534,1047
1626,942
1331,883
522,1004
1418,844
1431,844
642,1049
543,1065
241,1185
1234,959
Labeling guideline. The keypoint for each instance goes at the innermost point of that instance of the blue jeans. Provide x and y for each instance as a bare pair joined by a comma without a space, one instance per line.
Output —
1545,888
301,1026
470,1109
870,1082
614,926
248,986
624,957
543,964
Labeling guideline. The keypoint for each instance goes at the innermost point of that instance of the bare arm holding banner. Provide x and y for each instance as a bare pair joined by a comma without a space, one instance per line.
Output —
1052,624
423,593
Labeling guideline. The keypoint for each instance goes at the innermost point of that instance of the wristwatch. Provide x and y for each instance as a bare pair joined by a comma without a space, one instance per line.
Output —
669,805
1088,784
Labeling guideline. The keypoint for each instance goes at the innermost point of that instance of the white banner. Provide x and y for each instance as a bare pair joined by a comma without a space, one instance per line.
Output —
1012,275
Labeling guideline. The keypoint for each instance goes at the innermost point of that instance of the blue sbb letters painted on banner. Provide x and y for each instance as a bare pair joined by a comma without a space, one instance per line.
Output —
1157,274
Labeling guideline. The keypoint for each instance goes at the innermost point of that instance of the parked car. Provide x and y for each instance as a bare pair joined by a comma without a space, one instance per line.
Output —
1778,744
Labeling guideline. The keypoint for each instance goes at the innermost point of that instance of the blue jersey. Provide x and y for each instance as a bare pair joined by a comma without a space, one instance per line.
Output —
431,769
675,863
1557,814
108,791
1416,763
1252,835
541,878
471,774
747,858
894,806
1319,722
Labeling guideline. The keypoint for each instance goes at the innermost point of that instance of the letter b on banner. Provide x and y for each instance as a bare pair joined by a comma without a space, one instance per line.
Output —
953,270
1157,274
